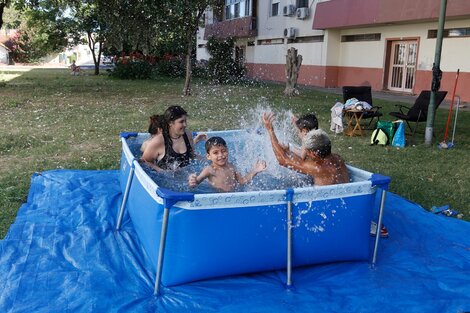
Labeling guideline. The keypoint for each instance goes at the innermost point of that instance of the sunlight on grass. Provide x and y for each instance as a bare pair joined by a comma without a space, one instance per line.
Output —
5,77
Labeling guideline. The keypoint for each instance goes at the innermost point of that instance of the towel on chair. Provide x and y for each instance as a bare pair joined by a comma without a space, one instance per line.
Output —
337,118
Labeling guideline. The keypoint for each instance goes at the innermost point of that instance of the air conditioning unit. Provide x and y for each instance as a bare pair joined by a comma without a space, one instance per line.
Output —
289,32
302,13
288,10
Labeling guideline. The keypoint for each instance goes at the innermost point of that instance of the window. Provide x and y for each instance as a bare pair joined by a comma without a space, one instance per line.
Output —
276,41
306,39
302,4
275,7
450,33
236,8
360,37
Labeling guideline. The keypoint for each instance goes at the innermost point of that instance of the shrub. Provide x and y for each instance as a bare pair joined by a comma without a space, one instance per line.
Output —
134,66
171,66
222,68
200,69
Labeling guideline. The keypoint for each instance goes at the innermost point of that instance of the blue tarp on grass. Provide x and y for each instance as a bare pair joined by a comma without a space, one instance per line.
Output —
62,254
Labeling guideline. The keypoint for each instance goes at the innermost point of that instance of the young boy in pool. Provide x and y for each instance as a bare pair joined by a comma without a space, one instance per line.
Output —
304,124
323,166
221,174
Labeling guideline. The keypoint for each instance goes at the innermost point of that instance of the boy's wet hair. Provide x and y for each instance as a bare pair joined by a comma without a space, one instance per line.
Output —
317,141
307,121
155,124
213,142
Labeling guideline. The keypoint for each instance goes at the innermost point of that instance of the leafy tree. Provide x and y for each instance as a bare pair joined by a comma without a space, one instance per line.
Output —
181,23
3,5
221,66
42,30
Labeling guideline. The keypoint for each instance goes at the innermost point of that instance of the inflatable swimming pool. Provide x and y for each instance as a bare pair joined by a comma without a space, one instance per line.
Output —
190,237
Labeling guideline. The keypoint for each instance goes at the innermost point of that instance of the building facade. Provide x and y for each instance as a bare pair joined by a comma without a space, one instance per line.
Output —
386,44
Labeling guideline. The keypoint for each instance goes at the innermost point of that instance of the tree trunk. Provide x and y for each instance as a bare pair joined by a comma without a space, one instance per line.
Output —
293,63
2,8
187,81
190,35
96,60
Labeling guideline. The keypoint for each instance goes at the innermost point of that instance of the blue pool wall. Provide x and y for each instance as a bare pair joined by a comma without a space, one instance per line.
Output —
224,234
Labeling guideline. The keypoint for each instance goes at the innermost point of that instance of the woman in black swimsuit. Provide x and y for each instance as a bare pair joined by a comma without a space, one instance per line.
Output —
174,147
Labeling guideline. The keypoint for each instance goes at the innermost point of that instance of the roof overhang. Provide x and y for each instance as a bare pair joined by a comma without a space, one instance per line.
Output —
353,13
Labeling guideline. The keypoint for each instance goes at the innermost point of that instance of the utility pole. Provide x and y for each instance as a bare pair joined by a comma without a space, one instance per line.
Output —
436,75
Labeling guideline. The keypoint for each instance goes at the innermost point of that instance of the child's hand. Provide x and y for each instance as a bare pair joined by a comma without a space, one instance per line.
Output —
199,137
259,166
294,119
268,118
284,147
192,180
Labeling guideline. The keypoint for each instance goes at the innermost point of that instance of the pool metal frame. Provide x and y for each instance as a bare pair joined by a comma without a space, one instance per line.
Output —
171,197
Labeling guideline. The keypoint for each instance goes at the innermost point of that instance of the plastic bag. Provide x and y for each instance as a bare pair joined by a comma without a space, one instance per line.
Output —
399,137
388,128
379,137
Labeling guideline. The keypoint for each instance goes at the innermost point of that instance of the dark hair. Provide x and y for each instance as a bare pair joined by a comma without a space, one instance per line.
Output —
155,124
307,121
173,113
215,141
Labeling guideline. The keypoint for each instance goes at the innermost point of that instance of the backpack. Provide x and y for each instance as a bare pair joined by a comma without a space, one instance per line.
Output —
379,137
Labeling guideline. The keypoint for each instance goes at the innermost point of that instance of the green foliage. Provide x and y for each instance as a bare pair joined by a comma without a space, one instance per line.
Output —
134,69
40,32
171,67
222,68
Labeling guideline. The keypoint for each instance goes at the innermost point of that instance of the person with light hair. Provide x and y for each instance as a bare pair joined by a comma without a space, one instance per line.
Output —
323,166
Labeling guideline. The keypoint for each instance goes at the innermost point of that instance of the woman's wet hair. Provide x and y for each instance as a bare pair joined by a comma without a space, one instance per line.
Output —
317,141
173,113
213,142
155,124
308,122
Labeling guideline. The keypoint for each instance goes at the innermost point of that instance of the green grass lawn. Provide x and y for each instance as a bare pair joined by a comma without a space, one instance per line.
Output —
50,120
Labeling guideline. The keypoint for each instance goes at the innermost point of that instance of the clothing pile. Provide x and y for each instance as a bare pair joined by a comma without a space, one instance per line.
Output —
353,103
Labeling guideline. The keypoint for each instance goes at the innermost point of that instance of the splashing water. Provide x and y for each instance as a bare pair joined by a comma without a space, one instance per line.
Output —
244,149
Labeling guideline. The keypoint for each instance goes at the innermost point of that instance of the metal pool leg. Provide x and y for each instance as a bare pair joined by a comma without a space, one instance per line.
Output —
289,197
126,195
161,250
379,226
169,199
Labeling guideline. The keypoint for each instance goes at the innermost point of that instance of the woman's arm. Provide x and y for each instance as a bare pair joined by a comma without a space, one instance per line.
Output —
194,141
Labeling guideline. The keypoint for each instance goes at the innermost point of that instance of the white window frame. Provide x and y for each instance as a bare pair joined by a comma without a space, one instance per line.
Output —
271,4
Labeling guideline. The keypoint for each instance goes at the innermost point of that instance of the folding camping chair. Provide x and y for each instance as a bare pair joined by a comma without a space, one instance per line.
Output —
419,111
362,93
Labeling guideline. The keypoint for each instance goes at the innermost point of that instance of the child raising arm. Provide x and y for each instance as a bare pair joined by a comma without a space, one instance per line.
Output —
221,174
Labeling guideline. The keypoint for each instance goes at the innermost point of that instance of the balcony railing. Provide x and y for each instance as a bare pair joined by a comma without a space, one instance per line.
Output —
239,27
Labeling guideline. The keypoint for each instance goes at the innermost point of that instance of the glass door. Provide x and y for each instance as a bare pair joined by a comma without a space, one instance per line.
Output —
403,66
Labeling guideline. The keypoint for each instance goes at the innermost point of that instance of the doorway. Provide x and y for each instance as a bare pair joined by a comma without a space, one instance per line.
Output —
402,65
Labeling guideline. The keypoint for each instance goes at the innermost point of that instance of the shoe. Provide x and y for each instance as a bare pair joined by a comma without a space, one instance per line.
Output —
383,230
